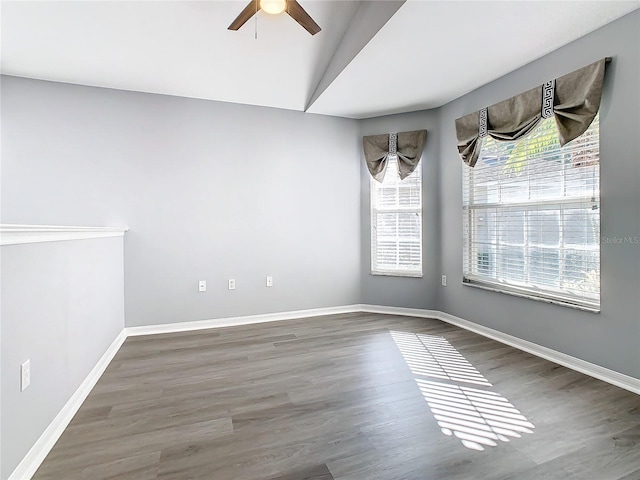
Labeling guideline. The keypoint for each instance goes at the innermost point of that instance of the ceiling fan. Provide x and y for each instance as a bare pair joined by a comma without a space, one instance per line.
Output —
292,7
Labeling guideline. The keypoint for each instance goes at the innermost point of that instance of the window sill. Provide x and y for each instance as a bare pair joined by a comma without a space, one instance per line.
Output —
398,274
530,296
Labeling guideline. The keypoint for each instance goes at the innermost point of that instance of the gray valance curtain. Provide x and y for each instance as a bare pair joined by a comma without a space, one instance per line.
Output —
573,100
407,146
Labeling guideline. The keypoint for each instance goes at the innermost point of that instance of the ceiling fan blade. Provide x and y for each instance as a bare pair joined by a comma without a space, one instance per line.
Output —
299,14
248,12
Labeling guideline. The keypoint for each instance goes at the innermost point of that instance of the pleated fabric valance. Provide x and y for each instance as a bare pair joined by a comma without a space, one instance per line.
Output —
573,99
407,146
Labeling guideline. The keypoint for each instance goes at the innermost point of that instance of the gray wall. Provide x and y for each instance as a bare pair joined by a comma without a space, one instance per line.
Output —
209,190
403,291
611,338
62,306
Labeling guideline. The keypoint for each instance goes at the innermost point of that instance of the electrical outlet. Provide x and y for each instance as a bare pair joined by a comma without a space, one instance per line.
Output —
25,375
444,280
202,286
232,284
269,281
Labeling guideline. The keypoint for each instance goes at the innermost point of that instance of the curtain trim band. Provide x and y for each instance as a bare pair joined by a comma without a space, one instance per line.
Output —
548,93
393,144
482,122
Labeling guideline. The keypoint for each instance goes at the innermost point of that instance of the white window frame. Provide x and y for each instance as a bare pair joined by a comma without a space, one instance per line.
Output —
392,178
472,274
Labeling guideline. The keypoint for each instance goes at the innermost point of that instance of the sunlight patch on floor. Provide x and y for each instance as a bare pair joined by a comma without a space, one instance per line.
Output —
479,418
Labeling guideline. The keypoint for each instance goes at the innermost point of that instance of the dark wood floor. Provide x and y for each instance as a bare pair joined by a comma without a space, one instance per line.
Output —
357,396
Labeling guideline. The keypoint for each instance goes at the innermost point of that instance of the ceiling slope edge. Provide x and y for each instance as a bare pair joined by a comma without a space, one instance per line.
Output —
368,20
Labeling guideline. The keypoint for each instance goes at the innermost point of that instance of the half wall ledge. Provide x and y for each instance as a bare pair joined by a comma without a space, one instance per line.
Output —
11,234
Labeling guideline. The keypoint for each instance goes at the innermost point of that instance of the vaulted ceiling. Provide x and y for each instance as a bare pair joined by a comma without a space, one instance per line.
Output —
371,57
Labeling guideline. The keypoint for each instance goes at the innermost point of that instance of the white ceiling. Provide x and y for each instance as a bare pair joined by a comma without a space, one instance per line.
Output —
371,58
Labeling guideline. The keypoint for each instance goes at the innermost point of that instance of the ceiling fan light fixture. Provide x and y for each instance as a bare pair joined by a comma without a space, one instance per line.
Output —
273,6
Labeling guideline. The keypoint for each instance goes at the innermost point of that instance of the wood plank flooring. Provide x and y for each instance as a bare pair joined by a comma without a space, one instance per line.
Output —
345,397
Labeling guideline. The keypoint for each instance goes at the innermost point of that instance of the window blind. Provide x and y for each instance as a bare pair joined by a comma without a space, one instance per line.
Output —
531,217
396,223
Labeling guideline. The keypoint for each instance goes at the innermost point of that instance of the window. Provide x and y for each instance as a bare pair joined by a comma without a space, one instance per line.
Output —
532,218
396,223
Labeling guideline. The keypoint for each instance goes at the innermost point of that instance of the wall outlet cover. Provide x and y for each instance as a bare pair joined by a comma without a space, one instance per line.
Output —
25,375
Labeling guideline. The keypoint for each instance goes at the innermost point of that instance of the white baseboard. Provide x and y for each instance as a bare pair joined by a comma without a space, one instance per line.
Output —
403,311
47,440
601,373
236,321
32,460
